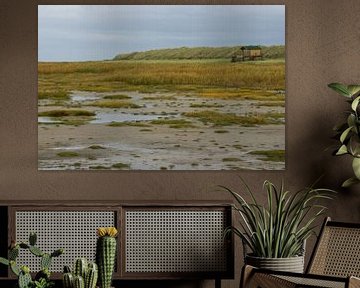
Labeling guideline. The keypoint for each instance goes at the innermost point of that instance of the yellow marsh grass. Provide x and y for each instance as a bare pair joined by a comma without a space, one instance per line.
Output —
116,75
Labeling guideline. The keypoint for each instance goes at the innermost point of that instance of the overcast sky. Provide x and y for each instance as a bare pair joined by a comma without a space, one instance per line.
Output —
96,32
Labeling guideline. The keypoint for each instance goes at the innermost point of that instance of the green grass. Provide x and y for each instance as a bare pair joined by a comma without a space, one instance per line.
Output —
154,76
114,104
226,119
231,159
159,97
270,155
173,123
242,94
56,95
99,167
117,97
205,105
272,104
120,166
96,147
125,124
68,154
66,113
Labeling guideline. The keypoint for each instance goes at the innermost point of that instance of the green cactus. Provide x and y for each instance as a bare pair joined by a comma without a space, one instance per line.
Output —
68,280
24,280
14,268
42,278
36,251
4,261
79,282
87,272
32,238
91,276
13,253
45,261
80,267
106,254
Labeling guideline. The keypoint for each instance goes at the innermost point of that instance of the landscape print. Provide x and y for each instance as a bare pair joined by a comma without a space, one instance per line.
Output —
161,87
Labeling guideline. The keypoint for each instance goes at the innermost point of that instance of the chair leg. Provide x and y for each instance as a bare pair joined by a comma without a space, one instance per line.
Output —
246,274
251,279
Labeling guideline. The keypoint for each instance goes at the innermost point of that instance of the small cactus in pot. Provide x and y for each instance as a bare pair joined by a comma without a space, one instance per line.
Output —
106,254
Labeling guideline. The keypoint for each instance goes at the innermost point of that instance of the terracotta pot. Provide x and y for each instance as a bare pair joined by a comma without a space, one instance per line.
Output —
291,264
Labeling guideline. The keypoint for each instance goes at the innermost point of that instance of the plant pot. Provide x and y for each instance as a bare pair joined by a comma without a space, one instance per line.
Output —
291,264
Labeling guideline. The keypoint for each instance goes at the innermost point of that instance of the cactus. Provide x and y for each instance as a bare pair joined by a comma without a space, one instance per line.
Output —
45,261
80,267
88,273
79,282
68,280
32,238
24,278
36,251
105,254
91,276
13,253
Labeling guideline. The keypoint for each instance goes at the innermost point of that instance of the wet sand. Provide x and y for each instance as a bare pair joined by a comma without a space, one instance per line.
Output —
160,147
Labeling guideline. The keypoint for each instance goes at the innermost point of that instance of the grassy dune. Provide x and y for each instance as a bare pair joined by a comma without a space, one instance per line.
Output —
151,76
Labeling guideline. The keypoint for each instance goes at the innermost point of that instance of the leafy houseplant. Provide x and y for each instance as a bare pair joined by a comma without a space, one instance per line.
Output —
279,229
42,278
349,131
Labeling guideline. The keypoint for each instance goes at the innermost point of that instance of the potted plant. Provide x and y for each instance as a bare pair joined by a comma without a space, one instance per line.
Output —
349,131
276,233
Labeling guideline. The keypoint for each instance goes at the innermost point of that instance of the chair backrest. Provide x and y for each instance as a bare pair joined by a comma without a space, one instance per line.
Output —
337,251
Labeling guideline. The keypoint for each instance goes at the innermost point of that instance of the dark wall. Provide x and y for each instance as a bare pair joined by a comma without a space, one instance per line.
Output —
323,46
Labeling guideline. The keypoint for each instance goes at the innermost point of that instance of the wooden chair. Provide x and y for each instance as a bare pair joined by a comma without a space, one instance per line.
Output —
335,262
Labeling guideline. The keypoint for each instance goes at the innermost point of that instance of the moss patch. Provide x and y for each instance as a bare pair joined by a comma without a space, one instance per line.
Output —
120,166
114,104
173,123
124,124
66,113
68,154
270,155
96,147
226,119
117,97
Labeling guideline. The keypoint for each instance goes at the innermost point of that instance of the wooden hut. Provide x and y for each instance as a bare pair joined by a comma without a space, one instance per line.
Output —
248,53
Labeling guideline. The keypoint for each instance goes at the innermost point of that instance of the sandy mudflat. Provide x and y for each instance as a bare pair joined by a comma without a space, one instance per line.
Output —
159,146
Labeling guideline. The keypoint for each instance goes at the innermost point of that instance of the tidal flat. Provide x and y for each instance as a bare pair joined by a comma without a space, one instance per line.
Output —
92,118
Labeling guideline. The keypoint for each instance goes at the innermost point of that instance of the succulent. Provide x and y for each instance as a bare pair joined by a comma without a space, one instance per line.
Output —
85,275
106,254
42,278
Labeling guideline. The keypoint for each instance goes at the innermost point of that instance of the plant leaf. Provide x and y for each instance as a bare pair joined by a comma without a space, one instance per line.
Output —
345,134
355,103
353,89
349,182
340,88
356,167
342,150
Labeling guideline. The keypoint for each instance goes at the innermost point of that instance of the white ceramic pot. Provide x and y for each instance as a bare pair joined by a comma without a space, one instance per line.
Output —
291,264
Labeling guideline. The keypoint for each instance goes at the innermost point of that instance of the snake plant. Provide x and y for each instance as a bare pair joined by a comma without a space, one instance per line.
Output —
279,228
349,131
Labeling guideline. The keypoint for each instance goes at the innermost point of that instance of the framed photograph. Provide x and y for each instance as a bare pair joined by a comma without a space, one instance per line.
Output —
161,87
